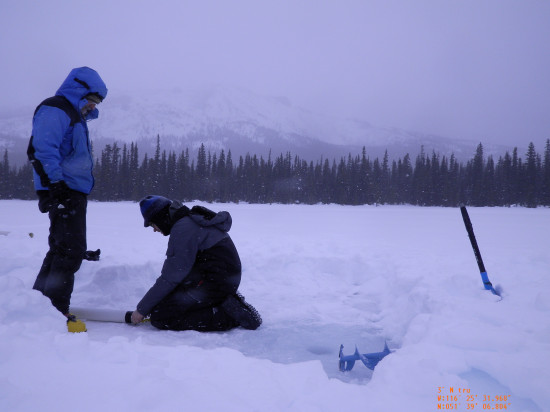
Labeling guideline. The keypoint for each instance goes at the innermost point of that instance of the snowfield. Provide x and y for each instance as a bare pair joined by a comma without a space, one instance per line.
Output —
321,276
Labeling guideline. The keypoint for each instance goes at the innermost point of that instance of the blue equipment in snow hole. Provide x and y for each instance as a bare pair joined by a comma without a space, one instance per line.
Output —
370,360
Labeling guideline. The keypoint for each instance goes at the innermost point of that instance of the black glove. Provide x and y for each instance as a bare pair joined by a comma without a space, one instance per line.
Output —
60,192
92,255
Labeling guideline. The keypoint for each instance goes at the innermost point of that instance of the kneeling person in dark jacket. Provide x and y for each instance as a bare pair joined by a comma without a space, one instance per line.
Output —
197,288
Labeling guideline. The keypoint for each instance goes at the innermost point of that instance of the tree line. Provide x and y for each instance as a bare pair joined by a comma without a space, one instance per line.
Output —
427,180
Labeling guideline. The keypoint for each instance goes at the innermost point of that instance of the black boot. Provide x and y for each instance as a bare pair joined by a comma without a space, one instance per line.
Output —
242,312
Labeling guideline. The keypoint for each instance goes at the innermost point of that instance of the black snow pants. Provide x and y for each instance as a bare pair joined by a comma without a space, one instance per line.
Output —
193,305
67,247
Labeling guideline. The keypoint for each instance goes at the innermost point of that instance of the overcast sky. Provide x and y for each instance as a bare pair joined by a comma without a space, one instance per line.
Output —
474,69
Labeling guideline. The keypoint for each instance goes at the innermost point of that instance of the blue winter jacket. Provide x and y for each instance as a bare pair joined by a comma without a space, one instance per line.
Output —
62,146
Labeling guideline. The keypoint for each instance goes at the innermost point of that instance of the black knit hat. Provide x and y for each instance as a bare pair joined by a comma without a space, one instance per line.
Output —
152,205
94,98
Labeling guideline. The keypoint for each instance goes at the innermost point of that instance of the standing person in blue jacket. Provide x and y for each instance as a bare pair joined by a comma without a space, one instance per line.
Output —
60,152
197,288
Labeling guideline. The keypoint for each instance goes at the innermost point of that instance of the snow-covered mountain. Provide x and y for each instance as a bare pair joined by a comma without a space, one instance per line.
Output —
237,120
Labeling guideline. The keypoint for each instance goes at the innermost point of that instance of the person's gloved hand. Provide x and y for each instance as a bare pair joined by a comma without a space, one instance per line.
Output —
92,255
60,192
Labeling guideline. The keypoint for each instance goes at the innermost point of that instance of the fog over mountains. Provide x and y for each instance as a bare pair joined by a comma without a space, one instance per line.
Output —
237,120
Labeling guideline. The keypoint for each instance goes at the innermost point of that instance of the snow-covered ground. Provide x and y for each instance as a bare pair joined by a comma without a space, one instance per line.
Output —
320,276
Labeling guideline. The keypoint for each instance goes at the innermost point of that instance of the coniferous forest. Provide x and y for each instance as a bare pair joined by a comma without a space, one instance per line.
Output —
427,179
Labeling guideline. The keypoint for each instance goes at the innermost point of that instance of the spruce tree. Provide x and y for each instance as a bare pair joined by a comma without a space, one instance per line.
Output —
529,180
545,177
